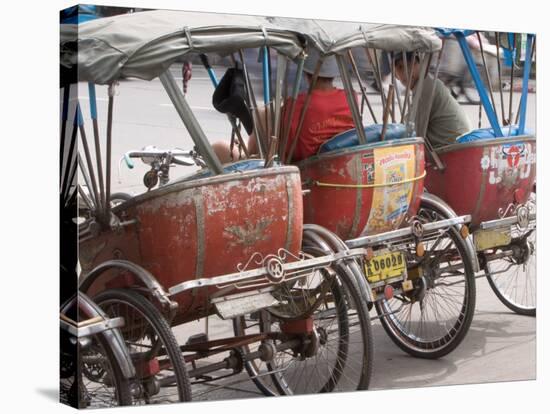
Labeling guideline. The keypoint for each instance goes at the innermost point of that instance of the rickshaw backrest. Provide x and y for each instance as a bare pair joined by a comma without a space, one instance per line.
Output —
372,132
486,133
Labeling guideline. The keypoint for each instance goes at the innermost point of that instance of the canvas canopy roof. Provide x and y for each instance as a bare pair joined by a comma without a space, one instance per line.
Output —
333,37
145,44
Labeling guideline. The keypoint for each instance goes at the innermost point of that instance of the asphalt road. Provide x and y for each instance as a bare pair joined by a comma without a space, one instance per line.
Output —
500,345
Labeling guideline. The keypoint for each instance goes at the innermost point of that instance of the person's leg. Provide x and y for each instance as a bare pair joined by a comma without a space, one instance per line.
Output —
221,149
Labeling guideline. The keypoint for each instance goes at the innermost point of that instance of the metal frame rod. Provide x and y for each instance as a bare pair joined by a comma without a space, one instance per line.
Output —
411,116
424,126
266,78
377,75
89,162
84,197
519,105
396,89
423,133
386,113
258,130
525,86
304,110
487,76
72,175
70,154
489,110
86,180
361,86
408,75
64,117
93,114
288,114
108,150
231,118
499,69
510,101
279,82
193,127
352,102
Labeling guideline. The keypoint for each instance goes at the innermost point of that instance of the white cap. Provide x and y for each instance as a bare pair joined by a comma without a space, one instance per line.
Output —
329,68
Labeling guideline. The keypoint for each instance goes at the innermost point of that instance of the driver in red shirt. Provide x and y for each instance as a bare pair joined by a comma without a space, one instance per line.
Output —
328,113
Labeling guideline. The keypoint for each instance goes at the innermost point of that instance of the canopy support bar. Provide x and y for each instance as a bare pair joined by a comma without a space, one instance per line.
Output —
408,75
304,110
499,68
281,70
396,89
361,86
290,113
377,75
93,114
258,130
231,118
65,183
352,102
487,76
184,111
489,110
511,100
525,86
93,189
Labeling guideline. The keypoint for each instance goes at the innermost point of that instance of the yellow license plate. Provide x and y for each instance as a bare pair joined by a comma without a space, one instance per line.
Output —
488,239
385,266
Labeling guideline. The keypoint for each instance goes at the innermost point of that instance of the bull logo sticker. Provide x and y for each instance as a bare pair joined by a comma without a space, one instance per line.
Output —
508,163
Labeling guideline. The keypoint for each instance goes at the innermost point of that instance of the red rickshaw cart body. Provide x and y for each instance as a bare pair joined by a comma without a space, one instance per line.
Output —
484,178
352,192
202,228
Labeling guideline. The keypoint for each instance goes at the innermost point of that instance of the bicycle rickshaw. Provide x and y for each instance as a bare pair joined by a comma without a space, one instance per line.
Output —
490,173
228,240
366,185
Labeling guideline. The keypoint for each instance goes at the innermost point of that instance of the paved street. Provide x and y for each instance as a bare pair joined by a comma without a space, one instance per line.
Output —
500,345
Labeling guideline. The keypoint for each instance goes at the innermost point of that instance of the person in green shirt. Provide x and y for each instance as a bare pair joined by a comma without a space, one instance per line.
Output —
446,119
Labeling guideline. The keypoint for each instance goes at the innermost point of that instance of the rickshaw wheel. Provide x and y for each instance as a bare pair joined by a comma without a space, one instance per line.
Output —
151,344
340,319
516,289
433,319
98,381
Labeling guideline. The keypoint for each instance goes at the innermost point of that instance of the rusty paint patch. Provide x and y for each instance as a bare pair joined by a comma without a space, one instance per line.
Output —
87,256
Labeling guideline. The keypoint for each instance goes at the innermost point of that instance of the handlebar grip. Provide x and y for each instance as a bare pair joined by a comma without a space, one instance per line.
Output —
129,162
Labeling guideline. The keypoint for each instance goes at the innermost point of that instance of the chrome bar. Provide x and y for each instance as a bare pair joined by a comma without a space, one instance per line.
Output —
191,123
262,271
504,222
365,241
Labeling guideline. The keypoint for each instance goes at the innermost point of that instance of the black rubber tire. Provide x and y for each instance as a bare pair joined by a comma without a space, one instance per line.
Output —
520,310
447,343
342,291
159,326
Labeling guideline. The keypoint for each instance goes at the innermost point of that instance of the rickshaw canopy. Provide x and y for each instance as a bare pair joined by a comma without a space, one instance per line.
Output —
331,37
145,44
